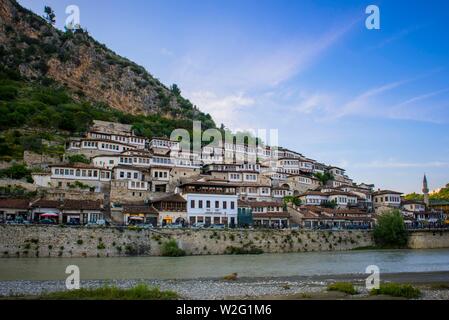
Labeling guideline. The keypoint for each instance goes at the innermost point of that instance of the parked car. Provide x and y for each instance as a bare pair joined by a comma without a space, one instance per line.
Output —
174,226
218,226
146,226
73,223
198,225
47,221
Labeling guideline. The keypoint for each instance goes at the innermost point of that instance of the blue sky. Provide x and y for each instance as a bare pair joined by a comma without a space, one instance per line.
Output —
373,101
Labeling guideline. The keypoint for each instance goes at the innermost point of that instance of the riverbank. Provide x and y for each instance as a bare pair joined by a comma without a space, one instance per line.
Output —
433,285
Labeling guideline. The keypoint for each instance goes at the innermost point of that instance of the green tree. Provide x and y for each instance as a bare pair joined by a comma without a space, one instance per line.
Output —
330,204
17,171
293,200
414,196
323,177
50,15
78,158
175,89
390,231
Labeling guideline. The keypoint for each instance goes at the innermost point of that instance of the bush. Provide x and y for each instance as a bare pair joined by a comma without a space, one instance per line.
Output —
345,287
17,171
390,231
8,92
397,290
101,246
170,249
243,250
78,158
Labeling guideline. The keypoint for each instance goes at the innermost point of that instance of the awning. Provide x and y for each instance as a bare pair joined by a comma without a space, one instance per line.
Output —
135,218
49,215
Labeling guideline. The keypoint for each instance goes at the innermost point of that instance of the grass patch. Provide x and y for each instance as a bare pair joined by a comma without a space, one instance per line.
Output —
345,287
170,249
397,290
139,292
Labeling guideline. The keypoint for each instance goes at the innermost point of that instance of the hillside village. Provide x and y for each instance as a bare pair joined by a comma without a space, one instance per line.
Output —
113,176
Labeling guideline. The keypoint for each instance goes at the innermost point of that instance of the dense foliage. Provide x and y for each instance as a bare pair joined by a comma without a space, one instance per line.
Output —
390,231
17,171
323,177
443,194
170,249
345,287
33,113
78,158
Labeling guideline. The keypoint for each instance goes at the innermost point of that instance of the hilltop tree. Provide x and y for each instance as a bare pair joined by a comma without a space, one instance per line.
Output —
175,89
50,15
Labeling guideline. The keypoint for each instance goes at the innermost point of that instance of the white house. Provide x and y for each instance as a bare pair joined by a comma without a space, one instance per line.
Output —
211,202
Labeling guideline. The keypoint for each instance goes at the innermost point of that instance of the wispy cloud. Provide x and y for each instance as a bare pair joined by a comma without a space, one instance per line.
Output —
361,102
245,76
390,164
421,97
397,36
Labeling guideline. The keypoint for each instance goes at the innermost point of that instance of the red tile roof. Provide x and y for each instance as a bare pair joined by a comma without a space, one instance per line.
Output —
14,203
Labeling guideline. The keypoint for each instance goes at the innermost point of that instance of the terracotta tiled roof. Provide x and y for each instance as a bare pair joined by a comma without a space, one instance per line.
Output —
82,205
14,203
171,198
42,203
136,209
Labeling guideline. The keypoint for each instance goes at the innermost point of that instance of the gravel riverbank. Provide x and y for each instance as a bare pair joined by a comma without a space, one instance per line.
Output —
246,288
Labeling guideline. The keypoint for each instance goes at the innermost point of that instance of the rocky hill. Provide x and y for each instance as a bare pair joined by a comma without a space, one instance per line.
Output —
89,70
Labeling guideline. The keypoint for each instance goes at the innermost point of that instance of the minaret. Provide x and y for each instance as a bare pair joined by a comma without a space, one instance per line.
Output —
425,190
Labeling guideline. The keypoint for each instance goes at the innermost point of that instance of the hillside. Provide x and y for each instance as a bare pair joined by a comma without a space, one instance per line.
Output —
443,194
38,52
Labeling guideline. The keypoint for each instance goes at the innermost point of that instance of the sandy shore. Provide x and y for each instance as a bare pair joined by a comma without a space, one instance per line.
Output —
432,284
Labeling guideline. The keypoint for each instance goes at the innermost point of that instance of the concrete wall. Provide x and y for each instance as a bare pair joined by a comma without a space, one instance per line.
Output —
429,239
56,241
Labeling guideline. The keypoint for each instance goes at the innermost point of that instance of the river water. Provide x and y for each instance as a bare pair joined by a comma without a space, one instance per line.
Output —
192,267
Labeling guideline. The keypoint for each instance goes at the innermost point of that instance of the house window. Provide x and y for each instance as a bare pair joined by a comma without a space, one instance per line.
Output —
224,204
192,204
232,205
217,204
208,204
200,204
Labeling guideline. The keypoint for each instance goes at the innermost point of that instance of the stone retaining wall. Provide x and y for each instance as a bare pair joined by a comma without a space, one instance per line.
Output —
429,239
56,241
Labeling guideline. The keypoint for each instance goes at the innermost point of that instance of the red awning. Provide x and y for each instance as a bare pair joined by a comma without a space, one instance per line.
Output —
49,215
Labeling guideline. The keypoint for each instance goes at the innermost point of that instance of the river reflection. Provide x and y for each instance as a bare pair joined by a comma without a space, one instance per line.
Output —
265,265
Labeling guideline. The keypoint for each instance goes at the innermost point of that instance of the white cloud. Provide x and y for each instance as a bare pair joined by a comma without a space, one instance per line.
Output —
223,109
